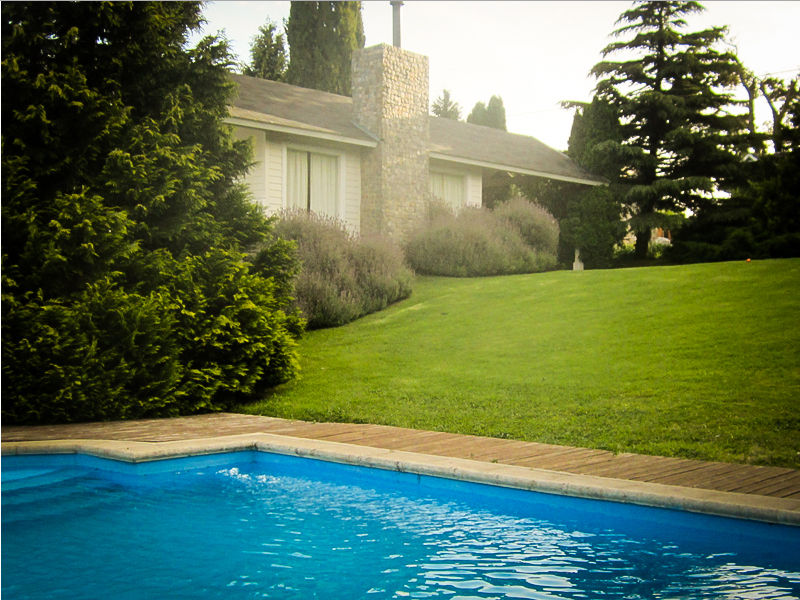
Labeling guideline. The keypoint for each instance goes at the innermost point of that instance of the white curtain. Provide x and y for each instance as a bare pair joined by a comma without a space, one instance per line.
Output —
449,188
324,184
297,179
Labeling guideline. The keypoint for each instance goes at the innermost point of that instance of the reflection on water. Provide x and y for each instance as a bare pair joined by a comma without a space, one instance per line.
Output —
263,531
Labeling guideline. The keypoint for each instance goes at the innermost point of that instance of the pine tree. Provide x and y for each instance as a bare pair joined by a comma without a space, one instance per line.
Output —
678,139
322,37
267,54
444,106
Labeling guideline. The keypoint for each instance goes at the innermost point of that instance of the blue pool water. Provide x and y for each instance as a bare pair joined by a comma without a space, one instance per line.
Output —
255,525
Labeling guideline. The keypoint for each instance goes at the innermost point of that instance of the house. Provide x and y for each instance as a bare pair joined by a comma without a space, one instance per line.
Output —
375,159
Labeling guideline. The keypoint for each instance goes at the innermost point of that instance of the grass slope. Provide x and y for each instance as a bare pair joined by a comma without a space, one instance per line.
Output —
698,361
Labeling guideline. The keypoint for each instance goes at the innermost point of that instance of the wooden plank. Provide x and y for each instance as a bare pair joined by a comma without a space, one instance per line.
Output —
780,486
511,452
738,475
405,442
435,441
560,460
685,467
749,478
636,464
700,477
673,472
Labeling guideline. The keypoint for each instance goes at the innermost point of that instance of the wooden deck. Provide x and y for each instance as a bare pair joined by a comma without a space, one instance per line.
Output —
747,479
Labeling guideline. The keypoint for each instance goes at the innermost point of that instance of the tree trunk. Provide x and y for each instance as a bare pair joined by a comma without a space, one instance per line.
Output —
642,244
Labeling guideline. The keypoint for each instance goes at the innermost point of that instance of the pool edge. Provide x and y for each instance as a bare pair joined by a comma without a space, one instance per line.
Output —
783,511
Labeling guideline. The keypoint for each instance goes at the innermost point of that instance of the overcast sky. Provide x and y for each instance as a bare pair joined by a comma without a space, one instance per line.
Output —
532,54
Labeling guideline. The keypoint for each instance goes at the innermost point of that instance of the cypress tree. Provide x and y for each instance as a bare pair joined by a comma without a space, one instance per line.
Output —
496,113
322,37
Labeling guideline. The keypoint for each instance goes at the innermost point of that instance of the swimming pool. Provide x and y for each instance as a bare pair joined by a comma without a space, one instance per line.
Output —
260,525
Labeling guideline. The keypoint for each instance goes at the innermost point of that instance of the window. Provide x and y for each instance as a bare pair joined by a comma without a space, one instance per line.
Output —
312,182
450,189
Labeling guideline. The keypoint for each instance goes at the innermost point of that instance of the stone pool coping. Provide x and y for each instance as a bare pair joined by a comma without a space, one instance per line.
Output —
784,511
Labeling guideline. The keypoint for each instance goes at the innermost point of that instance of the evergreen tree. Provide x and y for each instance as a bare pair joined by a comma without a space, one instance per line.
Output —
126,292
496,113
477,115
761,219
445,106
496,187
267,54
322,37
592,218
489,115
678,140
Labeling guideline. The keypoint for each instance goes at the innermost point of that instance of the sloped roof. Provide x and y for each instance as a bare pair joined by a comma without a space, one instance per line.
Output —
303,111
497,149
297,110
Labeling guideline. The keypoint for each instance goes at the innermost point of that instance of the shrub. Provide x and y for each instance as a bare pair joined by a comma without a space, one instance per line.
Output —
535,224
125,289
342,277
381,272
475,242
210,336
104,355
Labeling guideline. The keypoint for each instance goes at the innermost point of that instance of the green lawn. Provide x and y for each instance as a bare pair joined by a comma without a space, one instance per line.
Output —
699,361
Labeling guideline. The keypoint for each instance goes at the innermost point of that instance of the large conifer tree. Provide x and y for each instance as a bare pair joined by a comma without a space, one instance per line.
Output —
126,290
322,37
671,97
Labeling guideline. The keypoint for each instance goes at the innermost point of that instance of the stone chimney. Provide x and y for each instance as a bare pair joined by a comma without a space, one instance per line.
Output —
390,101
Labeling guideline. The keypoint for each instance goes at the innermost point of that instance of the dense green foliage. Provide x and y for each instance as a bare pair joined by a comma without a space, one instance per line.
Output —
590,218
126,292
678,142
267,54
343,277
322,37
444,106
489,115
517,238
761,218
698,361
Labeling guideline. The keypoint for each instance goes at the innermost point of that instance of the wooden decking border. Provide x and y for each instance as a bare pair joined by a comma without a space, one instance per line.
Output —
753,481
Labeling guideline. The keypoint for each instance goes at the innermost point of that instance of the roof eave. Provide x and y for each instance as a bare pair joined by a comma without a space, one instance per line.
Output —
513,169
320,135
